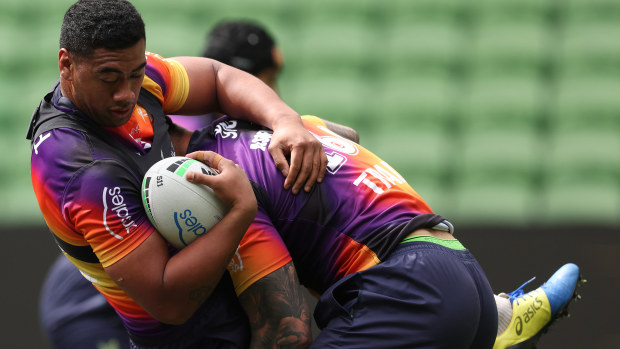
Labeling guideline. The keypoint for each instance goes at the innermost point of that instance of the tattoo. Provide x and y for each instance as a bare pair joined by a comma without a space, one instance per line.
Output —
278,312
343,131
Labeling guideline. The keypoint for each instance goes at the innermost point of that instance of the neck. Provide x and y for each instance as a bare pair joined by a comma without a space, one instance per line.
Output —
65,89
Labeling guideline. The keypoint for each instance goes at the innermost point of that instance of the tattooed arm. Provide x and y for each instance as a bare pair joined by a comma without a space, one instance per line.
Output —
278,312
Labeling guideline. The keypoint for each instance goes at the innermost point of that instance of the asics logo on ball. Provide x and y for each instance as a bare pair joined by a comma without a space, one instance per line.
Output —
185,222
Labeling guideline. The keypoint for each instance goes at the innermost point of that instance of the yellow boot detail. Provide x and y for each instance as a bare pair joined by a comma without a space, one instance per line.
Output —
530,313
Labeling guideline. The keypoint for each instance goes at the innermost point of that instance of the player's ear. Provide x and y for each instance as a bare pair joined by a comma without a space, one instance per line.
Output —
65,64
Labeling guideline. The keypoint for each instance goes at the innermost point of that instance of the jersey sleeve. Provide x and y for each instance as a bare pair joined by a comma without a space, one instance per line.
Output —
104,205
167,79
260,253
310,120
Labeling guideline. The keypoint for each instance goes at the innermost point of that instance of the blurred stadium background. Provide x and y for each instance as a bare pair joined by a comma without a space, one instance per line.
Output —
504,115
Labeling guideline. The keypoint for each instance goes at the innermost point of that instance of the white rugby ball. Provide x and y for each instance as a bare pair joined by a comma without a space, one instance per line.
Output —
180,210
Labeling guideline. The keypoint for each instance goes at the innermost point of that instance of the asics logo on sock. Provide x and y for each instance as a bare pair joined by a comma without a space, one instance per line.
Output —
528,315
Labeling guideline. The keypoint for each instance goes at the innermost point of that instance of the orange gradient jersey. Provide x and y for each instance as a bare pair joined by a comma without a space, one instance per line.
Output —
347,223
90,202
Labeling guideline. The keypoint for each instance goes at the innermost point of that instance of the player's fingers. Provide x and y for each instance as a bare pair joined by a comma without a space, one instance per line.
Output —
208,158
199,178
277,153
317,170
215,163
298,172
322,164
226,168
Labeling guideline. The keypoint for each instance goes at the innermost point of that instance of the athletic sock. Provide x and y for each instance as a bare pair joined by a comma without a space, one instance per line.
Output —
504,312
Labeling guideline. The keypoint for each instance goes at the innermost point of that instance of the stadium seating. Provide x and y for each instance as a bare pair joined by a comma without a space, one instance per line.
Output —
496,111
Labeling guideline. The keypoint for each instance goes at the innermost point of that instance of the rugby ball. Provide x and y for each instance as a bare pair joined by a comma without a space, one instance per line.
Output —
181,211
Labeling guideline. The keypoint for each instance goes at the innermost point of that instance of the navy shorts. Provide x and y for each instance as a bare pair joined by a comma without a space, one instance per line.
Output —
423,295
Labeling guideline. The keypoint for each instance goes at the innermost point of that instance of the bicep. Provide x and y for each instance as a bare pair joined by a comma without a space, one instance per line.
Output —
202,96
217,87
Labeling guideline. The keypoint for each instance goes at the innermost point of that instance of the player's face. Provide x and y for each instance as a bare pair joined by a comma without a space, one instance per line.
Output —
106,85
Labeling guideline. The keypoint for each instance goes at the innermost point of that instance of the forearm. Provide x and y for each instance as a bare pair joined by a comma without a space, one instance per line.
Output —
190,276
171,289
216,87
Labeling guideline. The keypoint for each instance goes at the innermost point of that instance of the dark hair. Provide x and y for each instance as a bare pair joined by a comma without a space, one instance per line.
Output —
92,24
242,44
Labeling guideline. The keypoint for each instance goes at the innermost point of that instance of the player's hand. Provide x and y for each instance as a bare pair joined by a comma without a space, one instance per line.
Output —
308,159
231,185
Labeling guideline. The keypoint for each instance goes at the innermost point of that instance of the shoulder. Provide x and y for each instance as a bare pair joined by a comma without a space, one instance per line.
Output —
167,79
74,189
62,158
67,150
60,152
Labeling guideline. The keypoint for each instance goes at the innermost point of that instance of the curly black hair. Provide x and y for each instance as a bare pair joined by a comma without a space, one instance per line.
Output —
92,24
